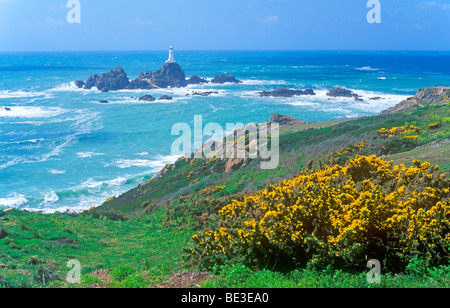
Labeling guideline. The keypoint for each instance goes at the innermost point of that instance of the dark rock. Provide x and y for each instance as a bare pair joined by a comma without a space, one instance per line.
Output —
64,240
224,79
283,92
3,234
204,94
6,108
196,80
112,81
103,102
141,83
165,97
147,98
376,98
285,120
341,92
170,75
79,84
234,164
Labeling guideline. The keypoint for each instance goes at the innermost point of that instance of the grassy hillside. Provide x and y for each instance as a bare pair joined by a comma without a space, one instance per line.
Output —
144,237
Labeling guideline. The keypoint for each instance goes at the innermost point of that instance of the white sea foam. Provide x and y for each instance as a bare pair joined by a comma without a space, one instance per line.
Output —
158,163
7,94
346,105
91,183
51,197
14,200
30,112
258,82
89,154
56,171
71,87
142,154
141,163
367,69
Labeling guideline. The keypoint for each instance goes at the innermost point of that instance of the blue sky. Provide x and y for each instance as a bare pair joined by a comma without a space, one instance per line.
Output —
40,25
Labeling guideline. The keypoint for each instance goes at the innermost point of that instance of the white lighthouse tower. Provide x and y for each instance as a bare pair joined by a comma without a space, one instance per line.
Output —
171,56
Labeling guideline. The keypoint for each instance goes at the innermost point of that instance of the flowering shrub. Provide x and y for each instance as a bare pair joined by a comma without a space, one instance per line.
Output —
435,125
350,149
368,209
398,131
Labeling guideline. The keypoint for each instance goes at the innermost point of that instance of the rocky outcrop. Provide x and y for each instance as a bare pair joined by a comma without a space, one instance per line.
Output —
196,80
79,84
204,94
423,97
5,108
112,81
170,75
283,92
234,164
165,98
341,92
147,98
285,120
225,79
143,82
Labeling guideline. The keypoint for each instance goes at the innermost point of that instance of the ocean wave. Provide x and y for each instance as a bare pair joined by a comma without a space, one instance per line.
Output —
372,102
8,94
367,69
56,171
71,87
14,200
157,163
258,82
141,163
89,154
91,183
56,151
50,198
30,112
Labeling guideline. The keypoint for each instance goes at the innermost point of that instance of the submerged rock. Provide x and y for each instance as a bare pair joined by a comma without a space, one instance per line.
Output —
165,97
283,92
224,79
204,94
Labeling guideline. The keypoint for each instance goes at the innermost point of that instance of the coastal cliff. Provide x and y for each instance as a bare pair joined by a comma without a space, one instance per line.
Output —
434,96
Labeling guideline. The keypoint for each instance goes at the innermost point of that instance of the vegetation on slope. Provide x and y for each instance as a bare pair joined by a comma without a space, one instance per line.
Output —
143,237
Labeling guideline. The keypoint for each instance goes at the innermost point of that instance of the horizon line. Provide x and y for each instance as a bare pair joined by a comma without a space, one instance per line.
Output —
231,50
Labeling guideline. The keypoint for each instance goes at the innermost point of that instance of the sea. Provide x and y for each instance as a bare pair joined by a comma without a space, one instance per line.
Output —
61,150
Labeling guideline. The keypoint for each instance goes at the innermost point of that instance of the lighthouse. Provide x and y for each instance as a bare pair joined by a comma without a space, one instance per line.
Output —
171,56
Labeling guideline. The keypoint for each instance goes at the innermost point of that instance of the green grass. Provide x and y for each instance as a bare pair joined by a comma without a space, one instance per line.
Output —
240,276
144,243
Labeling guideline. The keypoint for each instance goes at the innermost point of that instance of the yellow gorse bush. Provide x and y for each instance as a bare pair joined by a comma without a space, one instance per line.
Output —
398,131
340,215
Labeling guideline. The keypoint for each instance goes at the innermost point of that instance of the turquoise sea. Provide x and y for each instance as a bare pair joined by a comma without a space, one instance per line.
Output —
61,149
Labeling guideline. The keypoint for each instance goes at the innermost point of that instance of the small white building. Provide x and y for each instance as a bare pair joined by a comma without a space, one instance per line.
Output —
171,56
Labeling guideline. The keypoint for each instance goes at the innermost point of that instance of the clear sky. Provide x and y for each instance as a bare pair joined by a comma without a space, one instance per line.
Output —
41,25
